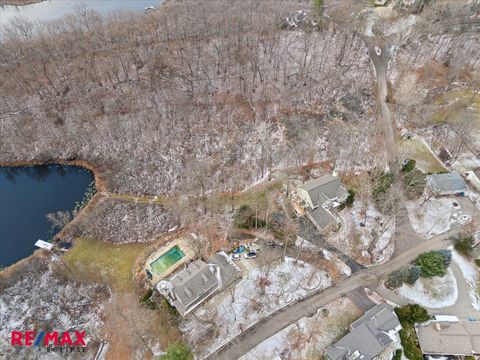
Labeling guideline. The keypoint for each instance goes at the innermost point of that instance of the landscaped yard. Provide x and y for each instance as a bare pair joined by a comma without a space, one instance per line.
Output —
434,292
262,291
415,149
113,265
106,263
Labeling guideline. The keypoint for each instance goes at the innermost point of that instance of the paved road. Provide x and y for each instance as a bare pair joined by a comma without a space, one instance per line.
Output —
370,277
462,308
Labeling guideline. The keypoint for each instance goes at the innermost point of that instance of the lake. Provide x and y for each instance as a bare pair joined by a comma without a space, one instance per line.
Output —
54,9
27,195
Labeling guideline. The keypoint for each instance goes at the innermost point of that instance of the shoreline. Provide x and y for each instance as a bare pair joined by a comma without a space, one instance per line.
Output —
19,2
100,183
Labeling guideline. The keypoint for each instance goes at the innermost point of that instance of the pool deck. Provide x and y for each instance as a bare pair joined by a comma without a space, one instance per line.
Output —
182,243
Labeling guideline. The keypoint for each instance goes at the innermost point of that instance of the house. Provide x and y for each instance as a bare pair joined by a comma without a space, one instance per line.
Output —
319,196
447,184
368,336
446,338
191,286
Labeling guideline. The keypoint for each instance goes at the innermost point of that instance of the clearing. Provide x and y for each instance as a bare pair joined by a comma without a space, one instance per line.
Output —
415,149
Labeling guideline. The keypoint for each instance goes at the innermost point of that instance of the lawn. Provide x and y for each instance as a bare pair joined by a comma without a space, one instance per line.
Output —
454,105
107,263
112,264
416,150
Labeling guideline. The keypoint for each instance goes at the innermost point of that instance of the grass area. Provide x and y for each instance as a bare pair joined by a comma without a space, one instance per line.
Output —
453,105
141,199
113,265
416,150
253,197
107,263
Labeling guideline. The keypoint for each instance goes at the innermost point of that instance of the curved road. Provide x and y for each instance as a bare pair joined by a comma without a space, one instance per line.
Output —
370,277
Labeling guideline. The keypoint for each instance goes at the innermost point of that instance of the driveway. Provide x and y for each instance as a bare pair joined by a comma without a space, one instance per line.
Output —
462,308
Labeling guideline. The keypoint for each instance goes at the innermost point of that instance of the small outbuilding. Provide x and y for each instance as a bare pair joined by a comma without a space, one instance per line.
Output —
447,184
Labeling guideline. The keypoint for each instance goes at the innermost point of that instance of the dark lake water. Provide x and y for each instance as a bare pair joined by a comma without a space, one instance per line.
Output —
27,195
53,9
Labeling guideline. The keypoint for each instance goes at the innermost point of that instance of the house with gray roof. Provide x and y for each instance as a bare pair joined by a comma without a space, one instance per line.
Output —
447,184
319,196
446,338
368,336
191,286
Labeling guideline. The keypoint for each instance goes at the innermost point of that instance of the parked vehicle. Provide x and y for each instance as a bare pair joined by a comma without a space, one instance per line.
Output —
235,256
250,255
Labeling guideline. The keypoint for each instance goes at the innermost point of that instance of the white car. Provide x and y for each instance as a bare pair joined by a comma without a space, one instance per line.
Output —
235,256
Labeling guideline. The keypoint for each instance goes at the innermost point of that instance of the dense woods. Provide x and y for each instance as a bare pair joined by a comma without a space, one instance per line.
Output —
198,90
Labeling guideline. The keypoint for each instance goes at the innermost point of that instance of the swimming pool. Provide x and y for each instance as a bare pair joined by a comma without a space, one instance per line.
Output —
166,260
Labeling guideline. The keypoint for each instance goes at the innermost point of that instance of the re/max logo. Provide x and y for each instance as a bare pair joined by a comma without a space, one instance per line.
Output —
42,338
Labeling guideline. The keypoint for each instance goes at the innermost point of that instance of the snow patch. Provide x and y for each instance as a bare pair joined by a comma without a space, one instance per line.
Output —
470,273
436,292
232,312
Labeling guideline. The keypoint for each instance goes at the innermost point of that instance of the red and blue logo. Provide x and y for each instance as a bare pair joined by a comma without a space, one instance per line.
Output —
53,341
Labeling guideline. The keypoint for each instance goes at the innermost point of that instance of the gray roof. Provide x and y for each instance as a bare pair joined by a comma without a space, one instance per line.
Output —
321,216
324,188
368,336
229,271
450,338
447,183
193,284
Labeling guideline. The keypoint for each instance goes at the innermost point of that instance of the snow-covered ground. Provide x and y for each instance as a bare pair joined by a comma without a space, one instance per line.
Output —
53,303
258,294
309,336
470,273
431,216
436,292
357,237
341,266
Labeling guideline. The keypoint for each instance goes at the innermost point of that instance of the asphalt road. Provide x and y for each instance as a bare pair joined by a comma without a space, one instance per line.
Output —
369,277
